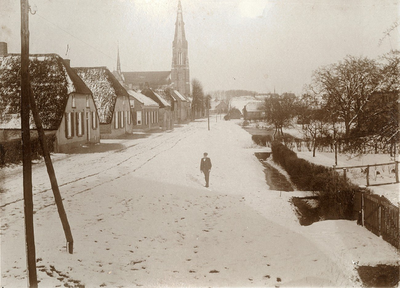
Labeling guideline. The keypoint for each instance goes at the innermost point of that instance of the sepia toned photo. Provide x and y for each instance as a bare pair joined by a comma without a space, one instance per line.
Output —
199,143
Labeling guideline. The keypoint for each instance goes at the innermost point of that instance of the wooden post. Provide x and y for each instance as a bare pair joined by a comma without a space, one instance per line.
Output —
335,152
345,174
334,177
52,175
396,170
367,172
362,208
26,147
208,113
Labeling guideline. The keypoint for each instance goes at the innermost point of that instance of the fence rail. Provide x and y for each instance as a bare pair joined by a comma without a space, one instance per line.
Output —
367,169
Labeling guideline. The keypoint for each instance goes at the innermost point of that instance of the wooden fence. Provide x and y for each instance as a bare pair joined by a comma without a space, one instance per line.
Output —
301,145
372,174
380,217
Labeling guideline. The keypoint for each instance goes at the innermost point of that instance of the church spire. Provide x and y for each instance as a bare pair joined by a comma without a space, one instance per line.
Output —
180,61
118,61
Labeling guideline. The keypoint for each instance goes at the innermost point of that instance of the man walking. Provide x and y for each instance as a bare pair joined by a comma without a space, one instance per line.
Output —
205,167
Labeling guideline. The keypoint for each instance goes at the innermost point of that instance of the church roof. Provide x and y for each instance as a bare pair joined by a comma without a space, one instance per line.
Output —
105,88
52,81
157,78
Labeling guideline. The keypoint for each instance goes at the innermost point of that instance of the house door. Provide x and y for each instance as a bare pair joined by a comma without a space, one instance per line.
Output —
88,126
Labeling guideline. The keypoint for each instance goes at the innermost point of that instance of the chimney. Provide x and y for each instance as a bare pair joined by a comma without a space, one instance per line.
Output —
3,49
67,62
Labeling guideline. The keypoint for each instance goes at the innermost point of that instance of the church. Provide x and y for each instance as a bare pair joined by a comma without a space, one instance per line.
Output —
176,79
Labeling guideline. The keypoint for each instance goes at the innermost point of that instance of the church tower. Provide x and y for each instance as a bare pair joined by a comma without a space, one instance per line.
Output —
180,60
118,62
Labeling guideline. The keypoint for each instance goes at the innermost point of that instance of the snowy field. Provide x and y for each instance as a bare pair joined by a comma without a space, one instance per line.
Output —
141,216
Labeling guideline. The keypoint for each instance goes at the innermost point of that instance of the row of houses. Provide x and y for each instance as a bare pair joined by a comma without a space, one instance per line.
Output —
84,104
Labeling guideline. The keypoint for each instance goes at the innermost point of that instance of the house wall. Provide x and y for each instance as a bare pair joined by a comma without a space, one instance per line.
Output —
79,125
165,117
121,122
149,116
185,111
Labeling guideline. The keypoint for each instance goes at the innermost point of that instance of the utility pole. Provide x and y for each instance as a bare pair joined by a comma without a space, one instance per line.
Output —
26,147
52,174
208,112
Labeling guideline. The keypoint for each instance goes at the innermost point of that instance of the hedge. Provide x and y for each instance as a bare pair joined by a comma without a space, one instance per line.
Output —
335,194
11,150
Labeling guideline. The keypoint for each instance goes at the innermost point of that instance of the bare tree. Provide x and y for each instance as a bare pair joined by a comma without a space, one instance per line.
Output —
198,98
279,110
347,87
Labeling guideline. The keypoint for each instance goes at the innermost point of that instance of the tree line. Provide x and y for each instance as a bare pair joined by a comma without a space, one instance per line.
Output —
354,101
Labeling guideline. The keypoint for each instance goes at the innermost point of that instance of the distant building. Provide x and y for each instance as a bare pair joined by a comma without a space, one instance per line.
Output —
254,111
177,78
181,106
65,104
144,111
111,98
150,79
165,113
221,107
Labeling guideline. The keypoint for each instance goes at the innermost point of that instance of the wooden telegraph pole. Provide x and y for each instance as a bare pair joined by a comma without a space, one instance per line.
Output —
52,175
208,112
26,147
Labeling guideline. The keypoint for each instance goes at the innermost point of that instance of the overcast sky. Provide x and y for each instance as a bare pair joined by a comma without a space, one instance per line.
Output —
258,45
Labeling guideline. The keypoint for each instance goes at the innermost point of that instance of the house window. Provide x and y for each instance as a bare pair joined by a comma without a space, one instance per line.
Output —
87,101
73,101
139,117
129,117
79,124
69,125
94,120
121,118
116,120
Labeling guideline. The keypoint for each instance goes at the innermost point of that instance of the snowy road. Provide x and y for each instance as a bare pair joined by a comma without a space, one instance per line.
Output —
140,216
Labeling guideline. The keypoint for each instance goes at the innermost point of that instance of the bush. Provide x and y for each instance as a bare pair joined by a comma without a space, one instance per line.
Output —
11,150
336,195
262,140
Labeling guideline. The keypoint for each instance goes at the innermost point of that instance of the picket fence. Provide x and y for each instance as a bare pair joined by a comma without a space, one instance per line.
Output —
379,216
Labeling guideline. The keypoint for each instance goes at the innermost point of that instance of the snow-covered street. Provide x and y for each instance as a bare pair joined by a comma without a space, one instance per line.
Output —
141,216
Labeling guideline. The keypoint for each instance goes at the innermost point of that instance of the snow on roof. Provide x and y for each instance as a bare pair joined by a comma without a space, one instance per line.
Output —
181,97
255,106
163,101
142,98
52,81
156,97
240,102
13,121
105,88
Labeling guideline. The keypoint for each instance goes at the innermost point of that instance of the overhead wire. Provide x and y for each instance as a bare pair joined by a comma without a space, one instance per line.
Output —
65,31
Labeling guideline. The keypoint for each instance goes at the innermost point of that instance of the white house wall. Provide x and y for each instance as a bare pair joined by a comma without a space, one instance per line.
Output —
89,128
